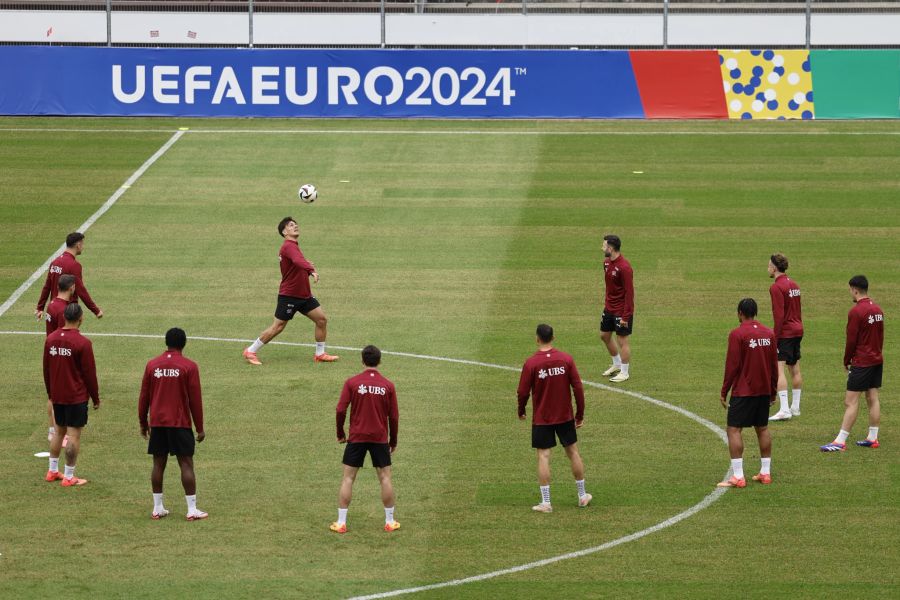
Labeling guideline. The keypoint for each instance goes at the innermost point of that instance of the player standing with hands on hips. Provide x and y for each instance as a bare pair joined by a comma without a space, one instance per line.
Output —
864,363
751,374
548,376
618,310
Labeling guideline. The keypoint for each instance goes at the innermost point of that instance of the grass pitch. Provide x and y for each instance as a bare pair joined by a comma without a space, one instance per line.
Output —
451,239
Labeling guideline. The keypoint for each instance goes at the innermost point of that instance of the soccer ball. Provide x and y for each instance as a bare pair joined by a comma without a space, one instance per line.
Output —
308,193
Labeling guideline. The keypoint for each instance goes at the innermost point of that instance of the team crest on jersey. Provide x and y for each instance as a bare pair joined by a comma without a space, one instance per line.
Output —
361,389
875,318
59,351
159,373
551,371
371,389
760,342
542,374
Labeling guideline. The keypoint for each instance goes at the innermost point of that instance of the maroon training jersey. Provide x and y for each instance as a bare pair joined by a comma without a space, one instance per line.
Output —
865,335
170,392
374,416
70,374
751,366
619,287
295,271
786,312
55,314
548,376
66,264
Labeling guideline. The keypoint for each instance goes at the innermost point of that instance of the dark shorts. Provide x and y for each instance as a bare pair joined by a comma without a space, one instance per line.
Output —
355,454
610,322
544,436
288,306
748,411
70,415
177,441
789,350
860,379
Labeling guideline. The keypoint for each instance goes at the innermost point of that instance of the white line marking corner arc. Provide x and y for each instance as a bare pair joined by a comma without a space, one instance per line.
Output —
704,503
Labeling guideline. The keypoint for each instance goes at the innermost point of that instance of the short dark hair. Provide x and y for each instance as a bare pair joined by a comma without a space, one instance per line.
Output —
780,261
73,312
176,338
544,333
284,223
748,308
860,282
73,238
65,282
614,241
371,356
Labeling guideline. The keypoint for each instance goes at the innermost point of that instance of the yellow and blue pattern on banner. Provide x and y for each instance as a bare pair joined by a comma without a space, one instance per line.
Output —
767,84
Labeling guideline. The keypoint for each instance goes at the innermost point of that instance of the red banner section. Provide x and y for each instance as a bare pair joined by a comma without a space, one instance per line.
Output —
680,84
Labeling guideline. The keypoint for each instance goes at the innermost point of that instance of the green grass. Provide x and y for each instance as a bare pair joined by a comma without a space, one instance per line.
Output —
434,241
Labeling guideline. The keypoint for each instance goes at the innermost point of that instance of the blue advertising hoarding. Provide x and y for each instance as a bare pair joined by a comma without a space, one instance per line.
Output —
40,80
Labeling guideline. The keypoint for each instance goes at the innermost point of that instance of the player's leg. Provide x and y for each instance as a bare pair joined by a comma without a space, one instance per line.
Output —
387,497
607,327
156,483
784,409
264,338
578,473
189,483
736,452
851,409
624,357
796,388
72,450
874,405
51,422
765,453
345,495
317,316
53,473
543,472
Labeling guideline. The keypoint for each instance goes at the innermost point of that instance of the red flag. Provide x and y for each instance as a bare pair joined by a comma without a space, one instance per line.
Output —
154,33
192,35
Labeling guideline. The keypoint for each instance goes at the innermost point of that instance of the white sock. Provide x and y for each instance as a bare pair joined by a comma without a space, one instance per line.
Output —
342,516
783,401
624,368
737,465
158,503
766,468
795,400
320,348
388,514
70,471
54,462
191,503
545,494
256,346
617,360
873,435
580,484
842,437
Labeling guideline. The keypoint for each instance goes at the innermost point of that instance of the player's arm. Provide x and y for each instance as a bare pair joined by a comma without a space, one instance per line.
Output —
195,401
852,335
42,300
773,371
393,419
524,389
89,373
341,413
628,284
578,390
778,301
82,293
300,261
732,365
144,402
47,369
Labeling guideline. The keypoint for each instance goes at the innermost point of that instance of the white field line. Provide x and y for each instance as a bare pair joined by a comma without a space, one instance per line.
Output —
452,132
704,503
91,220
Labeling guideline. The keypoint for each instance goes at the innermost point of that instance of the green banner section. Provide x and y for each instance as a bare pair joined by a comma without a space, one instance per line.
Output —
856,84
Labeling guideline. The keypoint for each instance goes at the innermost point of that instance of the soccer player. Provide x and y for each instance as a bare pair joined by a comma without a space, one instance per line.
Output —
67,264
788,326
374,419
294,295
618,311
70,376
547,376
864,363
56,320
170,393
751,374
